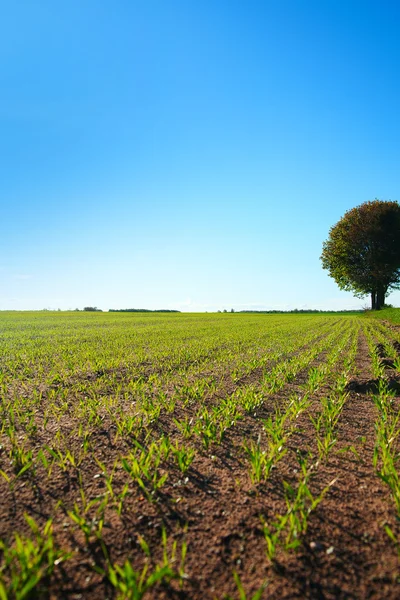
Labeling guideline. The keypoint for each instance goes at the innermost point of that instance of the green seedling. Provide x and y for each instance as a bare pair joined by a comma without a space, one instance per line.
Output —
108,477
184,456
64,461
185,427
394,539
207,427
353,450
90,522
132,584
257,458
325,443
289,528
143,466
29,562
258,594
316,376
120,498
272,535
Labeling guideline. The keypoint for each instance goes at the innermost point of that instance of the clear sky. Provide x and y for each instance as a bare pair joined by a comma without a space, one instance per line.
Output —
190,154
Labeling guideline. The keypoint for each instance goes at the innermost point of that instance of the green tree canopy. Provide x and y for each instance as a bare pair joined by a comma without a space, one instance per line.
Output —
362,252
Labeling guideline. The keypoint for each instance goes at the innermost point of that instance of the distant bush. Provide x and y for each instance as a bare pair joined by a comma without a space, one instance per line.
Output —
304,311
92,309
161,310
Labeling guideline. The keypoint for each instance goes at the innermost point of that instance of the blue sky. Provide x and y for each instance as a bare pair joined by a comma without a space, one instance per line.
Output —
190,155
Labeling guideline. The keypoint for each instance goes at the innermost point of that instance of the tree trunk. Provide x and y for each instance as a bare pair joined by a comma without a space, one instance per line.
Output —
373,300
379,302
380,297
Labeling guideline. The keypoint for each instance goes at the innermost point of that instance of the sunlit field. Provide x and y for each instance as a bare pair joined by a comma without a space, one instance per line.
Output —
199,456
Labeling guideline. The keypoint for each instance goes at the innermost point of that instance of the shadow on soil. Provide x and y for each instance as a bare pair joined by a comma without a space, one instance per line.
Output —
371,386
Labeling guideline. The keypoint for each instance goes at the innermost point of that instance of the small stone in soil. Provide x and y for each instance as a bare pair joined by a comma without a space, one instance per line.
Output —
318,546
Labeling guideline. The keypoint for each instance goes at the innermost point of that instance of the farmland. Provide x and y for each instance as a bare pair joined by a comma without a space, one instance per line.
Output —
199,456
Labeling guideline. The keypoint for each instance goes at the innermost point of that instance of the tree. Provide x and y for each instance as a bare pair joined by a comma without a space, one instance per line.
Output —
362,252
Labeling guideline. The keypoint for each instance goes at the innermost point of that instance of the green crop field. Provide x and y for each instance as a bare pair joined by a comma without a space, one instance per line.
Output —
149,455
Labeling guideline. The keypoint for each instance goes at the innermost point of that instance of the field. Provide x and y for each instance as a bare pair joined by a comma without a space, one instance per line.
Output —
213,456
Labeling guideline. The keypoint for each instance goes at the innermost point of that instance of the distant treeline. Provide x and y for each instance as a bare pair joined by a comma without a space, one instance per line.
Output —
162,310
299,310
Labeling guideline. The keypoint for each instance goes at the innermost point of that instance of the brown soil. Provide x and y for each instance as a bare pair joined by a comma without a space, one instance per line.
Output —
216,509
